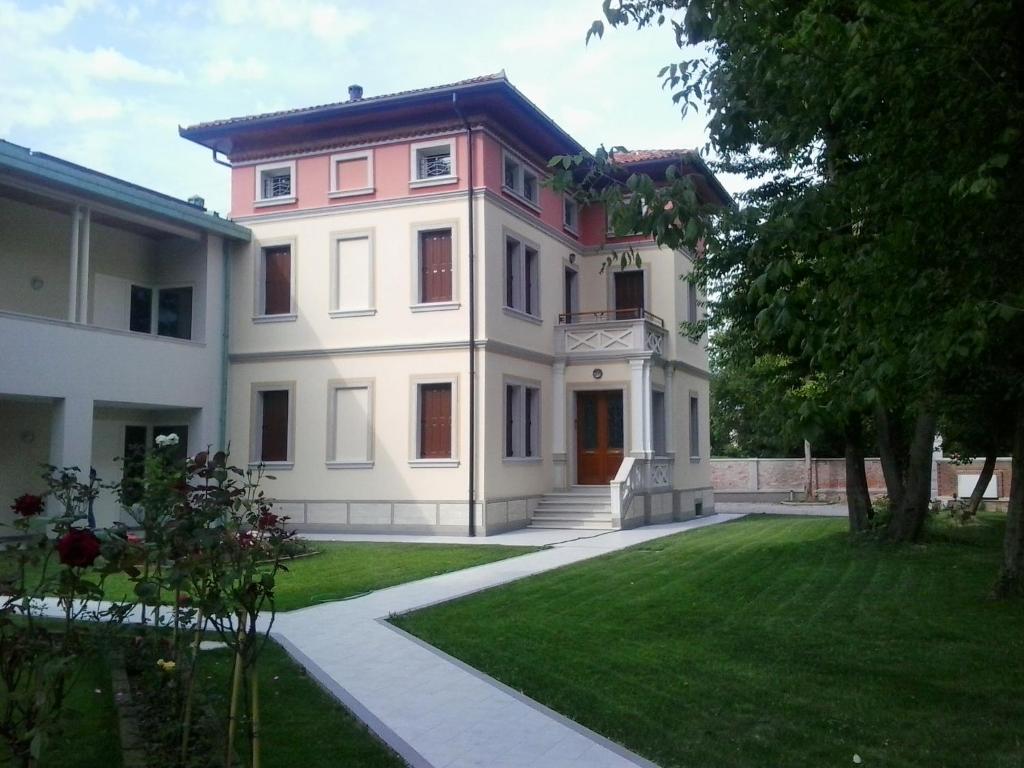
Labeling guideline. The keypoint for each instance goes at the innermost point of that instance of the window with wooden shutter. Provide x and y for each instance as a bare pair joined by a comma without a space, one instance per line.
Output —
629,294
435,421
277,280
435,266
274,425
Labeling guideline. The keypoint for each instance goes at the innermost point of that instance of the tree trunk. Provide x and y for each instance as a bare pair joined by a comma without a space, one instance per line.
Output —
1011,578
808,472
858,500
983,480
889,450
908,517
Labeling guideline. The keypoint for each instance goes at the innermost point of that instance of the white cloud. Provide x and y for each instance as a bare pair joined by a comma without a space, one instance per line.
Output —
325,21
111,64
223,69
40,22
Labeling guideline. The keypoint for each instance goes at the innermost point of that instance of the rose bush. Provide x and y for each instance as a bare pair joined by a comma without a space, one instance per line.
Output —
78,548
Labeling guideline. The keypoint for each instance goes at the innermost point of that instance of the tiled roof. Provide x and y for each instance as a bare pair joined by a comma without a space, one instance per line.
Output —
40,167
651,155
496,77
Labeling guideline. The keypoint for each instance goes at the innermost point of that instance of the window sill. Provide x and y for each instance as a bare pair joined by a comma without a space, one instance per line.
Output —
291,317
341,313
274,201
435,181
522,460
434,306
519,314
336,193
571,230
348,464
437,463
534,206
272,465
695,459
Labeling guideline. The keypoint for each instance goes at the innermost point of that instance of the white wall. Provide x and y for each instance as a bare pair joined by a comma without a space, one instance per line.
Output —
24,447
34,243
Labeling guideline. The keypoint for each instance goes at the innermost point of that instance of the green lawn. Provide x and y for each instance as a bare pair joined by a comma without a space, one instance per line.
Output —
345,569
302,724
766,642
89,734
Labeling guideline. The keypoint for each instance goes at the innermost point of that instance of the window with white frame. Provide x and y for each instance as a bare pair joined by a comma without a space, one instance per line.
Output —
432,162
352,174
434,422
273,423
350,420
352,275
520,180
275,289
571,215
275,182
522,272
522,421
691,302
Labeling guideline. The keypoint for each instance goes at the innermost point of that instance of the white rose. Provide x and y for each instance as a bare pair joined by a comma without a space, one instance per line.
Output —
165,440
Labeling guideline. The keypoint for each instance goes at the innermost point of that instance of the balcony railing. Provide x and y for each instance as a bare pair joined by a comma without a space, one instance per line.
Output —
568,318
609,333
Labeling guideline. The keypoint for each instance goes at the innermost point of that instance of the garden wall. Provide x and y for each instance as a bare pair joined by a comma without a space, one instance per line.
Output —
781,479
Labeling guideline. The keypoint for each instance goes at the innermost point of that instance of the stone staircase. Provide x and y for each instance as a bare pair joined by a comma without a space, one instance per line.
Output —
581,507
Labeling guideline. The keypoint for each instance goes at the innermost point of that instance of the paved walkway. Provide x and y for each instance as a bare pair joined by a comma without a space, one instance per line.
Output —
521,537
432,709
778,508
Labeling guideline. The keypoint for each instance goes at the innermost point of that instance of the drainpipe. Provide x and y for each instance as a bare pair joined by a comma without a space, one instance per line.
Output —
222,426
76,231
472,322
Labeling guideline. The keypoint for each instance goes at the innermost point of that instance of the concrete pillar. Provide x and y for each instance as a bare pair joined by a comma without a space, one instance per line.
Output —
670,426
637,380
559,451
76,227
71,434
83,268
648,412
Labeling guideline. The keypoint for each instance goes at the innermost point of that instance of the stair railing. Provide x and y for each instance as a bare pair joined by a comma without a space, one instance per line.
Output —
628,481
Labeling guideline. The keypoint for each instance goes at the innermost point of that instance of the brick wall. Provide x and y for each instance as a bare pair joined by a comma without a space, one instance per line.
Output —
784,475
948,472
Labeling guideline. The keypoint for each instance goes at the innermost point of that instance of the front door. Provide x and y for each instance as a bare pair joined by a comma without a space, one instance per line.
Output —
599,436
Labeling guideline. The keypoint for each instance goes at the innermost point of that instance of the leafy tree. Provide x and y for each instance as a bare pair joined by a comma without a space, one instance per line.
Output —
879,247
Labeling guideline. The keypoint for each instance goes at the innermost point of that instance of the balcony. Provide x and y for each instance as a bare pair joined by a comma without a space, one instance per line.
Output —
609,333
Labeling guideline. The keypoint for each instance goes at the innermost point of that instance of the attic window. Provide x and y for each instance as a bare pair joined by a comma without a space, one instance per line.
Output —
520,180
432,163
275,183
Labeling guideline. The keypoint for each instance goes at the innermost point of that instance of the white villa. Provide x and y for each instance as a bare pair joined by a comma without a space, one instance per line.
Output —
416,328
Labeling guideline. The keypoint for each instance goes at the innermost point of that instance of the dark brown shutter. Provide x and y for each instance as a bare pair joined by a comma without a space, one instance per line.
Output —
277,299
274,441
629,294
435,421
436,266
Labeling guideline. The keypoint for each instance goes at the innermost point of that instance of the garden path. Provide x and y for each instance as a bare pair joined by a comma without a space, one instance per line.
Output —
431,708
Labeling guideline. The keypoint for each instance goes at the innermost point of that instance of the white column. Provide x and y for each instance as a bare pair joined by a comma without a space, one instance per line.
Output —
73,265
71,434
83,271
648,413
670,423
637,379
558,425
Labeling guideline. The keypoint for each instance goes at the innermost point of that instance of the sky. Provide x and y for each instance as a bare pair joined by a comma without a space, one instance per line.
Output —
106,83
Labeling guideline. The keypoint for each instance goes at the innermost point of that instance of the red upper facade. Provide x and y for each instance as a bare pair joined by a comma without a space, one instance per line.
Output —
415,143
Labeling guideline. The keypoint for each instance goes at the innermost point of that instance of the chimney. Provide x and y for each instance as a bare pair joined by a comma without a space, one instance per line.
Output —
355,92
197,201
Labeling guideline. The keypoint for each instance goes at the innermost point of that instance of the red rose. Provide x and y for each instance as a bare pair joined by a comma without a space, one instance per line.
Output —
246,540
78,548
27,505
266,520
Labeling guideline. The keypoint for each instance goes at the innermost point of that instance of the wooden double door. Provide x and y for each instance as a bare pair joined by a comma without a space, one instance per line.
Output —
599,436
